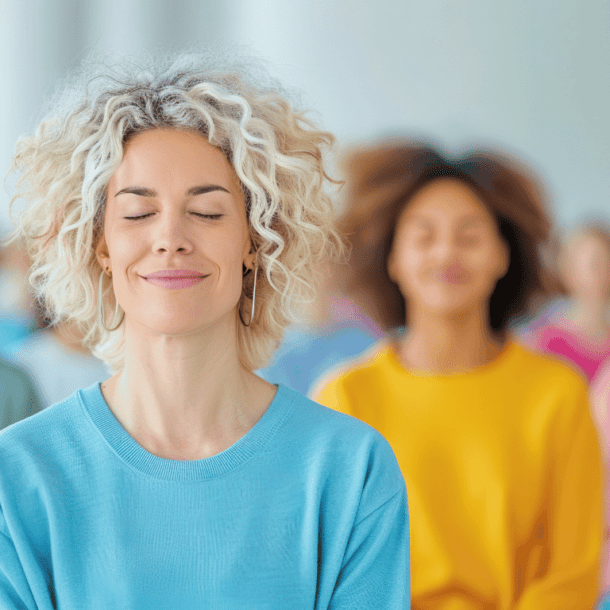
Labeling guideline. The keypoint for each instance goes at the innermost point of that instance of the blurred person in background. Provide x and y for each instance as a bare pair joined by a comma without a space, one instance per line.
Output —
334,330
178,212
17,311
580,332
57,361
18,396
527,328
545,306
496,443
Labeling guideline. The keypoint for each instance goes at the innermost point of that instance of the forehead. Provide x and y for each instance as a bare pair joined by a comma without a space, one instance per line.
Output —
446,200
172,157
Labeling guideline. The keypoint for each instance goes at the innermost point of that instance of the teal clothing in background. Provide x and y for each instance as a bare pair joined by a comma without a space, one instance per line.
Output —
18,397
14,329
306,511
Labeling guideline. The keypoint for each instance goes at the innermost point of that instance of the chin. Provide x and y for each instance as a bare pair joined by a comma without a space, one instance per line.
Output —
175,324
451,308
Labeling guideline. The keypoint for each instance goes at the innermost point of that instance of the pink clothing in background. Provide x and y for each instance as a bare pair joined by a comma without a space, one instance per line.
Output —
571,345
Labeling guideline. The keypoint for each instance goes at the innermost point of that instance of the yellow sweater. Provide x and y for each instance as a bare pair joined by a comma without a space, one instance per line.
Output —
503,476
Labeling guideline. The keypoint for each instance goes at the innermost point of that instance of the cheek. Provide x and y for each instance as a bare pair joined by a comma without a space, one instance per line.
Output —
124,254
124,285
232,279
227,257
227,252
599,270
486,267
482,258
409,267
605,274
126,251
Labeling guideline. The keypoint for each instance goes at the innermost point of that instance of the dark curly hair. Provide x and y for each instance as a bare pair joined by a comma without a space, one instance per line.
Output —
382,180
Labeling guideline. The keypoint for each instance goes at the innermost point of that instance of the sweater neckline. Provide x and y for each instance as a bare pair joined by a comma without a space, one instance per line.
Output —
125,446
507,349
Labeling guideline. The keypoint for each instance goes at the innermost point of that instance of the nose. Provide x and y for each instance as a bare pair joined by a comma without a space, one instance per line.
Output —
172,235
445,249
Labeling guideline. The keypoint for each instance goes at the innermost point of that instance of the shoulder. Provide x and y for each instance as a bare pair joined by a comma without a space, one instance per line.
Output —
547,364
600,389
342,449
16,388
42,434
319,428
558,335
552,329
313,417
356,373
547,384
544,369
550,391
602,378
11,374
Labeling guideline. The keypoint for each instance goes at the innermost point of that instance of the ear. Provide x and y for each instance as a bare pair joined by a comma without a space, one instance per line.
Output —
102,255
249,255
249,260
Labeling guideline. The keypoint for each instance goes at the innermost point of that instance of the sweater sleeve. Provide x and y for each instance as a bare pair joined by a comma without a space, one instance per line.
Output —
375,572
15,592
574,520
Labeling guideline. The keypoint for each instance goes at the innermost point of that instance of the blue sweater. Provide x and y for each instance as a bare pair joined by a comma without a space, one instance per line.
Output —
307,510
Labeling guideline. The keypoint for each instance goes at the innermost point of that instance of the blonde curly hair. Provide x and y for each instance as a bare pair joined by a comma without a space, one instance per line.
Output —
276,151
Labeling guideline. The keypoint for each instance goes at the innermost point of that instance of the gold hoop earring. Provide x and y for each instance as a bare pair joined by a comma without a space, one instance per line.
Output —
100,306
253,300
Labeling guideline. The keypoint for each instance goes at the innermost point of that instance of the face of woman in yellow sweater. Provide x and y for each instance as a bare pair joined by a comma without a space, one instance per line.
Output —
447,253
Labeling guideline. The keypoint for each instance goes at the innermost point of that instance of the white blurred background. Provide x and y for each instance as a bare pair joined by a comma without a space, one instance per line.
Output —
532,77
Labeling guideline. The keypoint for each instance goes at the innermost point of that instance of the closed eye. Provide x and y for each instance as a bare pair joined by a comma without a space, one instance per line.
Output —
138,217
209,216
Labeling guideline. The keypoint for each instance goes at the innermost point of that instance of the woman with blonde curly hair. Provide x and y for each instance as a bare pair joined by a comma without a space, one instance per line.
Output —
178,215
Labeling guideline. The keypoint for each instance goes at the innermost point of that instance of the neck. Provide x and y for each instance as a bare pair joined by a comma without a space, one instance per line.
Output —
446,344
591,316
186,397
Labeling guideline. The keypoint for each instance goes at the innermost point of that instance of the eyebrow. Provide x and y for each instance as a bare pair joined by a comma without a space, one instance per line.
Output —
194,190
471,220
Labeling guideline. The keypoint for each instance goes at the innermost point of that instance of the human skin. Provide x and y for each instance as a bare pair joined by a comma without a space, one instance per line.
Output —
174,203
447,256
586,274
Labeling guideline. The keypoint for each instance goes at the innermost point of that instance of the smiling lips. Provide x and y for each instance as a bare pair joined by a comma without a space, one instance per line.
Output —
454,274
175,278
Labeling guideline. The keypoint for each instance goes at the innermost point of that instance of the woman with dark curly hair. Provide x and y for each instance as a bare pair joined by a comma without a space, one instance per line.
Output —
496,443
177,214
